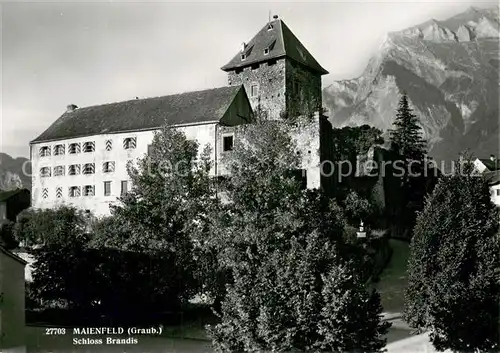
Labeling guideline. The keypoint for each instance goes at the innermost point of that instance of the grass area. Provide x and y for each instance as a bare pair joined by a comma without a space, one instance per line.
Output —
393,279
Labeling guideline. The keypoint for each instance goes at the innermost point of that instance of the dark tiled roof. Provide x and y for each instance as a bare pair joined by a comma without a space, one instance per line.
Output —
493,177
5,195
491,165
142,114
282,43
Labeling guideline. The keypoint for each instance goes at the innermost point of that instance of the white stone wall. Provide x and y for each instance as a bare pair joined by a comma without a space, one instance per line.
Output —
306,136
98,204
495,194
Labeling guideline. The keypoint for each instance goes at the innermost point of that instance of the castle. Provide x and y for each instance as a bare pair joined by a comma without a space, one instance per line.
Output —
81,158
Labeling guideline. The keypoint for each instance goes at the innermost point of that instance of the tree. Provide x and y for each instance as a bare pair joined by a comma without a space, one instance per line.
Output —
166,208
57,239
294,286
351,141
406,137
454,266
56,226
358,209
408,145
7,239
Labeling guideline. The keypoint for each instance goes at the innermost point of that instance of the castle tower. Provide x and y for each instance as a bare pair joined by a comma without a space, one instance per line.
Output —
278,72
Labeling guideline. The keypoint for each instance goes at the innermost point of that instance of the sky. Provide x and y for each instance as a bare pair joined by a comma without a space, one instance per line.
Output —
87,53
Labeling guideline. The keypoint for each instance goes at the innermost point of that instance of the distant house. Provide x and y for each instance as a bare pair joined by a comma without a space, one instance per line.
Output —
12,305
494,181
491,170
487,165
12,203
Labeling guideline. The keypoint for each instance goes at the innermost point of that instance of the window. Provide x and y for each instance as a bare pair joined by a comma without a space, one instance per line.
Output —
243,56
109,145
124,187
150,150
45,193
58,150
266,51
107,188
129,143
498,192
88,190
89,146
74,148
44,151
74,169
74,191
59,192
45,172
254,90
108,167
89,168
59,170
295,87
227,143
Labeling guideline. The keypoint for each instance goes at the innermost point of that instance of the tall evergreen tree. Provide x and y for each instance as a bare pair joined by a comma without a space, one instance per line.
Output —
409,150
454,267
406,137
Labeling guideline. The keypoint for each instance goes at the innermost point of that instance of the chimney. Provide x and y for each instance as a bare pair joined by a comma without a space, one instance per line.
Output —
243,46
492,158
70,108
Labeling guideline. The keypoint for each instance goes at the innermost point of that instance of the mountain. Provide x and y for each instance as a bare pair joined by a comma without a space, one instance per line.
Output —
14,173
450,71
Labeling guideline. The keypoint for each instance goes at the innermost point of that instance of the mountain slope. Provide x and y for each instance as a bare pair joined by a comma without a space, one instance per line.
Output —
450,71
14,173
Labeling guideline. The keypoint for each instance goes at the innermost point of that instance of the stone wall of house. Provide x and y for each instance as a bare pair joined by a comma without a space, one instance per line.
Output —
283,87
270,79
303,90
306,134
12,304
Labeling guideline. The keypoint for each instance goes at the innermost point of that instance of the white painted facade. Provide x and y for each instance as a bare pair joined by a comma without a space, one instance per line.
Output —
45,189
495,194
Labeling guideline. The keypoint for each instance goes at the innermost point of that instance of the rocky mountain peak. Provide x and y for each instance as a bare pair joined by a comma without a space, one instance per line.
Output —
450,70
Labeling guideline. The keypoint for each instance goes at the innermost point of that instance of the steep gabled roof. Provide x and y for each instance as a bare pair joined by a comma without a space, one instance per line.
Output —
143,114
281,42
5,195
493,177
12,255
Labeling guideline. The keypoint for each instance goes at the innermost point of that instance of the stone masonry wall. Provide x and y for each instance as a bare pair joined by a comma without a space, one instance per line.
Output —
303,90
271,82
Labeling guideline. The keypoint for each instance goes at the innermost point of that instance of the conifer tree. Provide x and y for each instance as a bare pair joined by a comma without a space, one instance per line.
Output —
453,270
406,137
410,148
